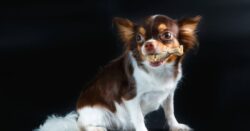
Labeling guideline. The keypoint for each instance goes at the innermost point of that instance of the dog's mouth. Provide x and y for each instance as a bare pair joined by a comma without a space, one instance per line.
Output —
158,59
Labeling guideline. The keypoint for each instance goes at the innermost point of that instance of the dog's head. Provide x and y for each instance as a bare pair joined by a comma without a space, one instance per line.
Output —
159,39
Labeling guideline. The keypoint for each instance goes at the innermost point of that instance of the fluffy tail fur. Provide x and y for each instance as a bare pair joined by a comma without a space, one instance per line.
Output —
57,123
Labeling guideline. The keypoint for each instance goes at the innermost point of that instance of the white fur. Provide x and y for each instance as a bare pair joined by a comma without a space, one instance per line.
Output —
57,123
94,116
101,117
122,117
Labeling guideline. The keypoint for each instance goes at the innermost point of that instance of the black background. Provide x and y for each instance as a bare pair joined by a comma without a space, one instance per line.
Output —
50,50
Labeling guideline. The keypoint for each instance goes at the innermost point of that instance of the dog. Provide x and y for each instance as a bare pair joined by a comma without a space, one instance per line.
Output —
139,81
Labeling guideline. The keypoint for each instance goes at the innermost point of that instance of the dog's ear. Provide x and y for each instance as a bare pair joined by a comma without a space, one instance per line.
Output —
187,31
125,29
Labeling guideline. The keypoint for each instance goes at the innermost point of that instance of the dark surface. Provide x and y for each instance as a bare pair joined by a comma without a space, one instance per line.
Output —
50,50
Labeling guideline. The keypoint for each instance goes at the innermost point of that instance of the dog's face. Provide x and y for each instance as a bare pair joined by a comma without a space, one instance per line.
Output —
152,41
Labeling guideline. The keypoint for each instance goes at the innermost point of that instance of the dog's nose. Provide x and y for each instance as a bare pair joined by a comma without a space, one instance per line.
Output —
149,47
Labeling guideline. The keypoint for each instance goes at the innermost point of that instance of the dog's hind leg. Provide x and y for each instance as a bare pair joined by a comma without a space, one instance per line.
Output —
94,119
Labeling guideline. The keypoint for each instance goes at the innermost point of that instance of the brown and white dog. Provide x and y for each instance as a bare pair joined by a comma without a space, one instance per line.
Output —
141,80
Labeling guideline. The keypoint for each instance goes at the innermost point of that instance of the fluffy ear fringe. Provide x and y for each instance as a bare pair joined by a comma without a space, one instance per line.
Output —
125,29
187,31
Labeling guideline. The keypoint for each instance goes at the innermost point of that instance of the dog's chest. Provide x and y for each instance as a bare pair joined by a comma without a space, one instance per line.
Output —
162,80
153,93
153,88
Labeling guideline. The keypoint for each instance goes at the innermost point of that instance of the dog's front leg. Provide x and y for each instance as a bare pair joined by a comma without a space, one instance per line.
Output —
168,106
135,112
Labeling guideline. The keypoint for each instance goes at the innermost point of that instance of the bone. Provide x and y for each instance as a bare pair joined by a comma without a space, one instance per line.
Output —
176,51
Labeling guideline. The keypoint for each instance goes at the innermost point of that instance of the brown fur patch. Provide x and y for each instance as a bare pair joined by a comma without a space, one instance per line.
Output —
159,21
162,27
112,84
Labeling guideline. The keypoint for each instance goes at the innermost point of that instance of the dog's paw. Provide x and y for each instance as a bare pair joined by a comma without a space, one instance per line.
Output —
180,127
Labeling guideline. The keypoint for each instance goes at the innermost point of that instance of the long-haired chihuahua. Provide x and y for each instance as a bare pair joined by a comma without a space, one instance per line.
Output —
138,82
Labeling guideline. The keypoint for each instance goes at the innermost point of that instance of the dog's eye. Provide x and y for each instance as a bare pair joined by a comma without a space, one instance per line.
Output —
139,38
166,36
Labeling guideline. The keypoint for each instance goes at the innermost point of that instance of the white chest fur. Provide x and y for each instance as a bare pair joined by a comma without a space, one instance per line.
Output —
153,86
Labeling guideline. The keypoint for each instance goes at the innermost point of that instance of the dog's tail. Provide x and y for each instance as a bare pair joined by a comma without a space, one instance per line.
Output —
58,123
